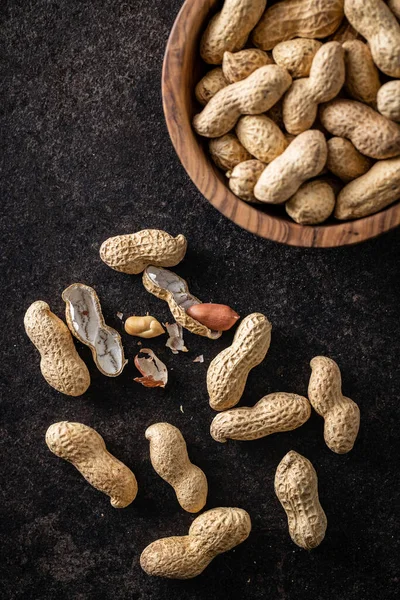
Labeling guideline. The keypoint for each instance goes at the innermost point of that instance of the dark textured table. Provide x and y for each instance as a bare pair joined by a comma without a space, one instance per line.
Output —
88,156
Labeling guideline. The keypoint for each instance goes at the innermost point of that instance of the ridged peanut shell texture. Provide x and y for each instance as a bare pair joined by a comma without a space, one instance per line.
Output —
229,29
371,133
171,288
239,65
252,96
85,449
376,22
345,161
170,460
313,203
368,194
209,85
261,137
227,152
296,486
60,364
362,76
388,100
132,253
342,415
290,19
274,413
327,74
243,178
303,159
228,371
296,56
184,557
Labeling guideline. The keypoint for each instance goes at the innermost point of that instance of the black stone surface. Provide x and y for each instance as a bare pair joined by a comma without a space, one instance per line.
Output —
88,156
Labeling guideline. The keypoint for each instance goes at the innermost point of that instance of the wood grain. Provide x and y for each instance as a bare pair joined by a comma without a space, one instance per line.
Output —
182,69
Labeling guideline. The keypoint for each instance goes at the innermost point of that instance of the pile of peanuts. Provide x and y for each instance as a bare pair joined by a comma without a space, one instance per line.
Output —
306,115
219,529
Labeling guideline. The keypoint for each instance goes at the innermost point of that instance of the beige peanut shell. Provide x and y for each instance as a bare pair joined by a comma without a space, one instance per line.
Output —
394,6
239,65
229,29
183,557
327,74
228,371
60,364
132,253
261,137
251,96
362,76
274,413
85,449
290,19
209,85
244,177
313,203
344,33
296,55
171,288
170,460
341,415
296,486
374,20
304,158
371,133
345,161
368,194
227,152
388,100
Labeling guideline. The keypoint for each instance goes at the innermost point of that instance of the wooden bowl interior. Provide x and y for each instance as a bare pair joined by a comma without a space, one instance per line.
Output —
182,69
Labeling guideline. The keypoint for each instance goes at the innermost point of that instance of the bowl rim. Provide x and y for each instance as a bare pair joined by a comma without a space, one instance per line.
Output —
209,181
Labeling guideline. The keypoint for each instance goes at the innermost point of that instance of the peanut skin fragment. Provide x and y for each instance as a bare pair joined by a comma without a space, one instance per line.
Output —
274,413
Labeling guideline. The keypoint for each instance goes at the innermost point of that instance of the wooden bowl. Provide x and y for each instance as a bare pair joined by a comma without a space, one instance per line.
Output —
182,69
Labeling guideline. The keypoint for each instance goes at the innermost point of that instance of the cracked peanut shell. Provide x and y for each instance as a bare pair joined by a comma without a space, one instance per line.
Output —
168,286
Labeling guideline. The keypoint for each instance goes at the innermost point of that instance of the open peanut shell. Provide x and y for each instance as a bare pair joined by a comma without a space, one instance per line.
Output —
86,322
168,286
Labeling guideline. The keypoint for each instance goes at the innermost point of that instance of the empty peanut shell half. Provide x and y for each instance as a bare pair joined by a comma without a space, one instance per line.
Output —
168,286
132,253
85,320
